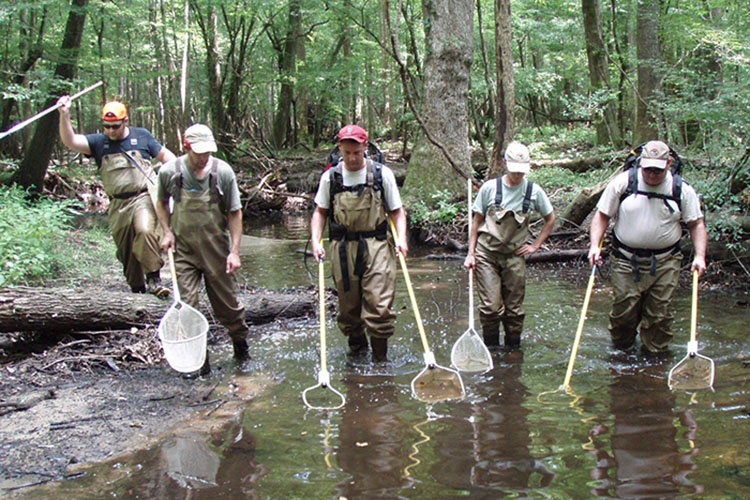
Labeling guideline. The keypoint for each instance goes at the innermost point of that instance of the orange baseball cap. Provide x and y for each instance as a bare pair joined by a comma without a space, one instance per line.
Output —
114,111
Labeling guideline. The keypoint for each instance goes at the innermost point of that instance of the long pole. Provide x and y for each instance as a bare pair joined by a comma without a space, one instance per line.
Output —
19,126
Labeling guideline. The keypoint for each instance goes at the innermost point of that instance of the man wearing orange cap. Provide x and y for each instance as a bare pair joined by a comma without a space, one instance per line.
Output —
123,156
358,195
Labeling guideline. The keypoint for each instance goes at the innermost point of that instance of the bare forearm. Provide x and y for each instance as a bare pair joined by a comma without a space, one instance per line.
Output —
235,230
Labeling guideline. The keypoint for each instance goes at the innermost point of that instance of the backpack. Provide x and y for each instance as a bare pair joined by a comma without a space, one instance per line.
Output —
632,163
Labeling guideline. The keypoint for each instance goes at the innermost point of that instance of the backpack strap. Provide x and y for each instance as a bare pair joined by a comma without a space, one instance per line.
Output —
677,190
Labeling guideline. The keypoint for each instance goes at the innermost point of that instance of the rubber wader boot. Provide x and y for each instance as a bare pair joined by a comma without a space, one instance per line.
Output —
357,344
513,328
379,349
240,350
491,336
202,372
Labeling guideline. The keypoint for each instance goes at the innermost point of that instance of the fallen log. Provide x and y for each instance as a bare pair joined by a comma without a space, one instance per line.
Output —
60,310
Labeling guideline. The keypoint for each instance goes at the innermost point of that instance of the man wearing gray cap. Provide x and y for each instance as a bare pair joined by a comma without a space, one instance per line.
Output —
204,231
498,242
650,203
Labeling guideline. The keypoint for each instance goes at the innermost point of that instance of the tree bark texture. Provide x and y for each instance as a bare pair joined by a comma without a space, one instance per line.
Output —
30,173
505,91
649,60
287,68
444,98
57,310
607,132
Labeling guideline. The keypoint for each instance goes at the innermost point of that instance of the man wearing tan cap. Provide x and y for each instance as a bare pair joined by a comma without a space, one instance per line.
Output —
123,155
498,242
650,203
204,230
357,196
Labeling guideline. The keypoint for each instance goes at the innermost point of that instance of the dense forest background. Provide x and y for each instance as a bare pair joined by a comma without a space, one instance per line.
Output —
450,81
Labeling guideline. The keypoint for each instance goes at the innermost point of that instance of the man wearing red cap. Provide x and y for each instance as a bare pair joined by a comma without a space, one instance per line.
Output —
205,231
357,196
123,155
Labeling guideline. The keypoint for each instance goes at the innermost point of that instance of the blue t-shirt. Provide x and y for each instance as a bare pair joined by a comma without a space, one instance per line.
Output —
138,139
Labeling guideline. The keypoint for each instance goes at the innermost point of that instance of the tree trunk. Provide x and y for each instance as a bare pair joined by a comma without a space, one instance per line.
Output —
30,173
57,310
287,65
506,97
444,100
649,60
607,132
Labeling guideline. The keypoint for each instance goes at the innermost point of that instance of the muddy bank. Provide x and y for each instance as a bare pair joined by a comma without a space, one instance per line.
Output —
86,413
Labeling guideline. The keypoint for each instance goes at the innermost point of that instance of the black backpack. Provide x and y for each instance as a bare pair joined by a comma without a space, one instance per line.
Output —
632,163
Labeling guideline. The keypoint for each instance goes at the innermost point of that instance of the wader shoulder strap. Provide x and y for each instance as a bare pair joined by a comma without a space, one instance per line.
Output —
136,165
212,181
526,197
499,192
178,180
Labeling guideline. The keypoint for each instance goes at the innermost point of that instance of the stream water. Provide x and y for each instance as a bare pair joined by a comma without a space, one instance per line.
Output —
619,433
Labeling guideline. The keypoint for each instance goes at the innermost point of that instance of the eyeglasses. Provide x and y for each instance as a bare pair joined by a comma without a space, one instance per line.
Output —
113,127
653,170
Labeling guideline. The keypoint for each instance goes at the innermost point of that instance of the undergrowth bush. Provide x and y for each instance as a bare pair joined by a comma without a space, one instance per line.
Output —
37,240
438,208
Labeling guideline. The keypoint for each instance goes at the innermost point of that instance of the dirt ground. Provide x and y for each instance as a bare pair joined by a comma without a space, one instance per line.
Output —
55,418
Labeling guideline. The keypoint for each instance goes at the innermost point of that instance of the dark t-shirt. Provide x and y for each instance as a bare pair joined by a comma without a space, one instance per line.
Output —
138,139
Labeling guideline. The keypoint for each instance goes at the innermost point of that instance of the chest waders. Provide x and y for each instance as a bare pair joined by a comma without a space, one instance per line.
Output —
132,220
201,249
501,275
362,250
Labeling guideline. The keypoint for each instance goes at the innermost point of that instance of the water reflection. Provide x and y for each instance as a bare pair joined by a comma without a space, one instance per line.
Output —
371,437
488,452
643,459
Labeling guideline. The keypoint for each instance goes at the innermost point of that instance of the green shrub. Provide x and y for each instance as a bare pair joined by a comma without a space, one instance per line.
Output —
438,208
32,237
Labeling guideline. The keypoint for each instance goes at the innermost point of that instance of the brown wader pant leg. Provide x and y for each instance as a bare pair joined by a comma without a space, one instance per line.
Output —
132,223
501,283
221,289
647,302
367,304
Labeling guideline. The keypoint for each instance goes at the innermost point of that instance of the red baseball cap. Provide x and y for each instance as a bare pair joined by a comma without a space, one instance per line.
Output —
353,132
114,111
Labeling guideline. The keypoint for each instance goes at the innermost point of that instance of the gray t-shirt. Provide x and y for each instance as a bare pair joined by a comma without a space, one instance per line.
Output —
644,222
390,188
512,197
226,182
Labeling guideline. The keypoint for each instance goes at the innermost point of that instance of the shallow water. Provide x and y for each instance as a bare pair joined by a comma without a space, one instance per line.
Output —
619,432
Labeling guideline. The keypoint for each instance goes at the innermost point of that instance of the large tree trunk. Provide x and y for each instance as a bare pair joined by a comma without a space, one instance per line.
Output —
607,132
34,165
506,94
57,310
649,59
444,104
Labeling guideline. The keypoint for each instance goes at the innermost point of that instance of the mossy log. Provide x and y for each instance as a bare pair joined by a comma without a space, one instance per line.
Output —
62,310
